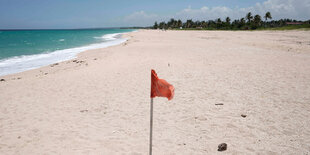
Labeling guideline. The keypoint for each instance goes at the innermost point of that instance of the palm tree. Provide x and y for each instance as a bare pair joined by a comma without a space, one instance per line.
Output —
227,20
211,24
227,24
204,24
171,23
162,25
179,23
218,23
189,23
249,17
197,24
267,16
218,20
155,25
242,21
257,20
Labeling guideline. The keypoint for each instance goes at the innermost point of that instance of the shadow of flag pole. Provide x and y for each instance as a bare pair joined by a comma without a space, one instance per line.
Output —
160,88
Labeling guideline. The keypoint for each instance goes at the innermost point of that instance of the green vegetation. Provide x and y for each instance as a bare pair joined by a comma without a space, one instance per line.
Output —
288,27
249,22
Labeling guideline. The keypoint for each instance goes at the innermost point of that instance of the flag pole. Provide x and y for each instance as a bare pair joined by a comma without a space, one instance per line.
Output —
151,126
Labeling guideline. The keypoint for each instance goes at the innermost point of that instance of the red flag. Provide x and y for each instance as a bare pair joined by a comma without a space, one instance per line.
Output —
160,87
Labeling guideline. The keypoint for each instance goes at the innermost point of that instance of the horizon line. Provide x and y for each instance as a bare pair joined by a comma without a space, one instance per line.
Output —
97,28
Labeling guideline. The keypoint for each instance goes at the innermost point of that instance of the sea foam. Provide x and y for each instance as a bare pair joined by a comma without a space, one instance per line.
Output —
27,62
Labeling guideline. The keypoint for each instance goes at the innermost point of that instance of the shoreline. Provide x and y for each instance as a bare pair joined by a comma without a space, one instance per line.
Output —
89,47
249,90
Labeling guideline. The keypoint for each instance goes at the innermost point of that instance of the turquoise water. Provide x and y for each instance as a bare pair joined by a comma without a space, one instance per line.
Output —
27,49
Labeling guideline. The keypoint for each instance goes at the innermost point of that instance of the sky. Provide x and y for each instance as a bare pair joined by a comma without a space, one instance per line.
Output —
66,14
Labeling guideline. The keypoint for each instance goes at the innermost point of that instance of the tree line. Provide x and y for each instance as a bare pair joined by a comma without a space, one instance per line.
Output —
249,22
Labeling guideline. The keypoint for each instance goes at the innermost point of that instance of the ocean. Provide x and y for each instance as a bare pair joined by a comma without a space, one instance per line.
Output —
22,50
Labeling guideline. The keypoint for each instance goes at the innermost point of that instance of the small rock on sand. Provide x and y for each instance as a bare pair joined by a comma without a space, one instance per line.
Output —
222,147
54,64
76,61
243,115
2,79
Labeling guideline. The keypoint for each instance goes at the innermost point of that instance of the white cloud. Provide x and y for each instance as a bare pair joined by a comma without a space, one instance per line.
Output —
293,9
140,19
205,13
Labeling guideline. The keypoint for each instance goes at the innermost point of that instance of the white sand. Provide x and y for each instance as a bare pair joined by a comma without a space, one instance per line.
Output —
102,106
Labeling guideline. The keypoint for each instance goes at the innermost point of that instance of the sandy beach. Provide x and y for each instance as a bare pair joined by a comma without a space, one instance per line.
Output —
99,102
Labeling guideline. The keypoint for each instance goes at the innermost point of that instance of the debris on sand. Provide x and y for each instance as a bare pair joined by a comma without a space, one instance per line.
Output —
222,147
54,64
84,111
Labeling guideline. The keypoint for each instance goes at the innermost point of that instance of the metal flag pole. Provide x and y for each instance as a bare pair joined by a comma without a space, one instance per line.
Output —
151,126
